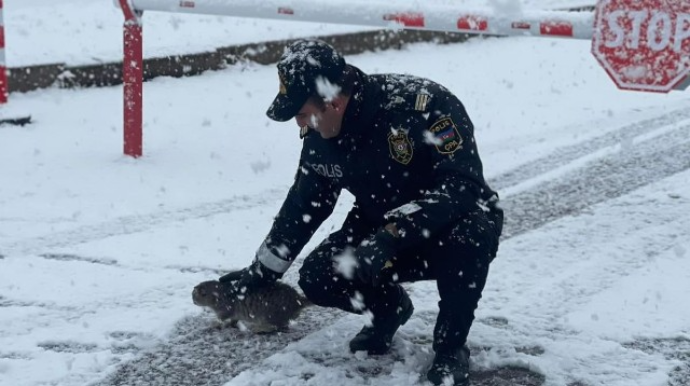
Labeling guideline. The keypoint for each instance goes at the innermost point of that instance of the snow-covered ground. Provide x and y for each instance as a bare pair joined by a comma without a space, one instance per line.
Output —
99,252
90,31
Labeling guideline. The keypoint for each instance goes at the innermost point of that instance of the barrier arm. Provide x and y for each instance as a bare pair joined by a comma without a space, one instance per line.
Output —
433,17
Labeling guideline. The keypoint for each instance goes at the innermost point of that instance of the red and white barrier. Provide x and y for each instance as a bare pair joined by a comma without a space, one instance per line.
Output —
4,92
607,28
380,14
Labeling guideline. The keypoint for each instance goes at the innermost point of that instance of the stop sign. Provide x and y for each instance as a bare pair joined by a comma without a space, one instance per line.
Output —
644,44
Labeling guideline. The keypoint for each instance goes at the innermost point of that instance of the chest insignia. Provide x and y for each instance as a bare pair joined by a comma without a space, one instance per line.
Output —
400,147
447,139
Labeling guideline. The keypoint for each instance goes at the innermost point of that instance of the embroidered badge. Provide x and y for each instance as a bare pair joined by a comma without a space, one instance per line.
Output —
400,147
282,89
446,136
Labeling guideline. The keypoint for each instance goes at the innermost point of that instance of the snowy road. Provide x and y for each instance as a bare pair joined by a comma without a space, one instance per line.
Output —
99,253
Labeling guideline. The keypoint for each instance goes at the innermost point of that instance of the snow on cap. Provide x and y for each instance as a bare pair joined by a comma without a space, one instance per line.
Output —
303,64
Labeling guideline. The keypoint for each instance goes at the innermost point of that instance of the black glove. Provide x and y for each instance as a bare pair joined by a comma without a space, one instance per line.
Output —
375,258
254,276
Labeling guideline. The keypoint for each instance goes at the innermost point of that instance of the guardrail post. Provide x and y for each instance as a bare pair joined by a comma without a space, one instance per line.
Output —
4,91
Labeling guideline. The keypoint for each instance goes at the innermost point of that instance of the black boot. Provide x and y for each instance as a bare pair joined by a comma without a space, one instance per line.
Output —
451,365
377,338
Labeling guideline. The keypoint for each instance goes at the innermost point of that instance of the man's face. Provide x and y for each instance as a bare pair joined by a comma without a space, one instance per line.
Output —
325,119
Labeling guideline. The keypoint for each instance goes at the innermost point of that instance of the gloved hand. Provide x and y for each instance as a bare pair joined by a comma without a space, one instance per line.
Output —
254,276
375,258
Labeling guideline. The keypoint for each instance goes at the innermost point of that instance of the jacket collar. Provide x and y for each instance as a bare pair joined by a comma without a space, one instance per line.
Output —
361,109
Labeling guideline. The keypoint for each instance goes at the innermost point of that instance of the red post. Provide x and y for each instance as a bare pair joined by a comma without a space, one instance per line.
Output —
4,91
132,77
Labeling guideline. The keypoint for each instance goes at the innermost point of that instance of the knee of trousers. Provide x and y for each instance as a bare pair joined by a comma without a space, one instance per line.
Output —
316,280
471,239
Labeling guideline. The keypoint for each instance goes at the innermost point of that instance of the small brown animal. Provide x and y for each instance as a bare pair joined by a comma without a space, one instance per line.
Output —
261,310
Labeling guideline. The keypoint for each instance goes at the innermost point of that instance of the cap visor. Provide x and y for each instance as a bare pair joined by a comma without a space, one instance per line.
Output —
283,108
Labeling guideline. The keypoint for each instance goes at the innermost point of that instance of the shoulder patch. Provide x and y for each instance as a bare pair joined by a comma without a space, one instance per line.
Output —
447,138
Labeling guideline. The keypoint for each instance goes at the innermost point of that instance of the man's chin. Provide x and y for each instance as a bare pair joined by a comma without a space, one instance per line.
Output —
328,134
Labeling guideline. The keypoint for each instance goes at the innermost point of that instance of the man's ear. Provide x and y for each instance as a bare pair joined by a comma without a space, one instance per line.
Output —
339,103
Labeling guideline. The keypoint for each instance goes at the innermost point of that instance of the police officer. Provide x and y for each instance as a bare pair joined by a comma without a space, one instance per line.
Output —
404,147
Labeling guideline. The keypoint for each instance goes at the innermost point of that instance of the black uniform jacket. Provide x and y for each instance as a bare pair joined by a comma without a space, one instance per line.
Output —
406,151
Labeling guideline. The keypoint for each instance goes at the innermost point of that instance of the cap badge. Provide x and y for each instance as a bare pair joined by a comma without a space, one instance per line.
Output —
282,89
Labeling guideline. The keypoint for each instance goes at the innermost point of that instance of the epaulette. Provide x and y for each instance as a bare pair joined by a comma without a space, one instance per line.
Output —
413,101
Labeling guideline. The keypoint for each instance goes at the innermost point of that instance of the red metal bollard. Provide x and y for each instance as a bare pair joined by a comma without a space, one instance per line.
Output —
4,92
132,77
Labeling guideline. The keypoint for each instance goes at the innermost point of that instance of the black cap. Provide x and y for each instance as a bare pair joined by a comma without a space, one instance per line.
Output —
300,67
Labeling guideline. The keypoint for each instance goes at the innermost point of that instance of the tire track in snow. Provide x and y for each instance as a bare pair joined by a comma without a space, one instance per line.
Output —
600,180
198,354
567,154
191,357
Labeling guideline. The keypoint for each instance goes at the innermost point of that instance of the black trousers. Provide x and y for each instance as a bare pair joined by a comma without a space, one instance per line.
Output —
457,258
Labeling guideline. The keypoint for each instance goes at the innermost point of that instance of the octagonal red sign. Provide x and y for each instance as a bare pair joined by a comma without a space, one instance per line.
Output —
644,44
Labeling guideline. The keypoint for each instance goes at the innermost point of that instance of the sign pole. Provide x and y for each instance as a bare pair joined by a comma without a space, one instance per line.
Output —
4,83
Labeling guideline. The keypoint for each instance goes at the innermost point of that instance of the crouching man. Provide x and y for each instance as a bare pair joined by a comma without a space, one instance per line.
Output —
404,147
